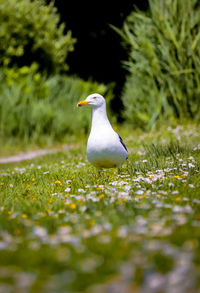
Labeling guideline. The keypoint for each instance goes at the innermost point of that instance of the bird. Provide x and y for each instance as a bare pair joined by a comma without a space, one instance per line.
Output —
105,147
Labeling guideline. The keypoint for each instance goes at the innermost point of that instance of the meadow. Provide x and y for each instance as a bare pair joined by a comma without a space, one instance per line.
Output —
64,228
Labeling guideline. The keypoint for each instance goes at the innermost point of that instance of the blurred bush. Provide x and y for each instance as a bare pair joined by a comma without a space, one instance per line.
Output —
30,32
164,62
33,106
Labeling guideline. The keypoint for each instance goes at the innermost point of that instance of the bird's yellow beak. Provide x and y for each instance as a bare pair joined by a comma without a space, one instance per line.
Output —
82,103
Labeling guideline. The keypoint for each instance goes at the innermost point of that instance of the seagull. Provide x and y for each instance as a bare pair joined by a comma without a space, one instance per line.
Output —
105,147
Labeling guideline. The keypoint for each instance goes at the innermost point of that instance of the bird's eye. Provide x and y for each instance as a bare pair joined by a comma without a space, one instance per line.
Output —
94,98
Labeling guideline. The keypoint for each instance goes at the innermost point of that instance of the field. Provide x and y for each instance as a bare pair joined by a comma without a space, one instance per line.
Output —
64,228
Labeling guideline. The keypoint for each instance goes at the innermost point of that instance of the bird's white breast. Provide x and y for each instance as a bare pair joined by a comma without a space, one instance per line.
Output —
104,149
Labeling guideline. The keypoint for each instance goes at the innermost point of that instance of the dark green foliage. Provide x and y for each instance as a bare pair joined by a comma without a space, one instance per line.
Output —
31,31
164,62
32,105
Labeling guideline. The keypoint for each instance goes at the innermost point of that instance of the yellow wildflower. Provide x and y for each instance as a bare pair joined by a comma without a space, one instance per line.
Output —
58,182
34,197
50,201
178,199
33,179
101,196
72,206
24,216
67,203
9,212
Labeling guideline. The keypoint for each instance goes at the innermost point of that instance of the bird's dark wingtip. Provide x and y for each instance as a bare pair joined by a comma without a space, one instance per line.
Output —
123,143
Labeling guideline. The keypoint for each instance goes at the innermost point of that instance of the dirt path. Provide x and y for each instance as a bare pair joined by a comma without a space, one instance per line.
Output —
32,154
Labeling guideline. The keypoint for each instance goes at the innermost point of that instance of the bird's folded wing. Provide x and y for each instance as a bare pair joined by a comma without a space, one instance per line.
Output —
122,143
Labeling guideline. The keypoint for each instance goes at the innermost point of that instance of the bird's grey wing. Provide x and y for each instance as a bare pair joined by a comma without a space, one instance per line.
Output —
122,143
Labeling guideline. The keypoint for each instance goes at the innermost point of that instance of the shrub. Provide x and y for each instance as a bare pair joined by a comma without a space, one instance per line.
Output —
31,31
164,62
33,107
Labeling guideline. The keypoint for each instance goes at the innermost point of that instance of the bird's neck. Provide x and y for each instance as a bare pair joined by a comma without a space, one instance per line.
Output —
99,117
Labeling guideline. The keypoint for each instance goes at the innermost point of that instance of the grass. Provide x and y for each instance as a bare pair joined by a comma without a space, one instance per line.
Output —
63,228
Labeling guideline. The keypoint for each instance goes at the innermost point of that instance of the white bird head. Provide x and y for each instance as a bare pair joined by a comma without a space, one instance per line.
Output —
95,100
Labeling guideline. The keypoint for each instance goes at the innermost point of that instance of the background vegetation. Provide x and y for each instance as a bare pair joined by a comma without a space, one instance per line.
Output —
162,66
164,62
34,107
37,100
31,31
